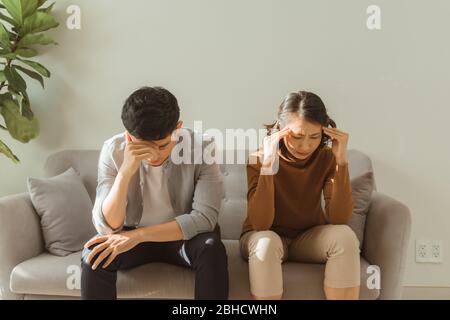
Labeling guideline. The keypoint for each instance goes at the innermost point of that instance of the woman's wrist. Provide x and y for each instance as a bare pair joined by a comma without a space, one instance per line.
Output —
342,161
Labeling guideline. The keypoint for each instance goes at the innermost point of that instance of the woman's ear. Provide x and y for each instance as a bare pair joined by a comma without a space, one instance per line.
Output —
179,124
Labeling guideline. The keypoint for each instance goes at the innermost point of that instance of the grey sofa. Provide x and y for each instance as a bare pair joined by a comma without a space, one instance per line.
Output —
27,271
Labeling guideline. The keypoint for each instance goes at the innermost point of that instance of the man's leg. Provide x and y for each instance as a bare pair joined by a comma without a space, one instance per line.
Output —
205,253
100,284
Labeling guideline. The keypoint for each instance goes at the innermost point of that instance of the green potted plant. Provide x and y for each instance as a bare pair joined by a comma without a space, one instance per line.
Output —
23,24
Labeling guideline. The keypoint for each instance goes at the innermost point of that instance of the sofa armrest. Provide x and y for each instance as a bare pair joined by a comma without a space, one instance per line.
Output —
387,233
20,237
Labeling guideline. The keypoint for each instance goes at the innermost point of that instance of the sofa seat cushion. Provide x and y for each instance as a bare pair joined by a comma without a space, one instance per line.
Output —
50,275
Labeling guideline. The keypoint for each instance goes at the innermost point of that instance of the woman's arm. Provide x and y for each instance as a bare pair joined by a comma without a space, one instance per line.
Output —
260,198
337,193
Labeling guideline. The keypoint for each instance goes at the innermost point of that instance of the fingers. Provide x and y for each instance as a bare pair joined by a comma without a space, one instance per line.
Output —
143,144
145,155
144,150
97,250
334,130
334,134
282,133
110,259
102,257
95,240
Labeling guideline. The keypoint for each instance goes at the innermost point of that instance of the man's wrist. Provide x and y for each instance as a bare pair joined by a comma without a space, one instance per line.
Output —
139,235
123,176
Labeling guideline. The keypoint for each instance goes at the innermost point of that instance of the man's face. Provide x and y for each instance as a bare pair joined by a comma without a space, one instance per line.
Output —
163,147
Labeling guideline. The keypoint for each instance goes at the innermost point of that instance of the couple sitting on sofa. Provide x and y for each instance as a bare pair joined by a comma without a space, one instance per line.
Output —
149,208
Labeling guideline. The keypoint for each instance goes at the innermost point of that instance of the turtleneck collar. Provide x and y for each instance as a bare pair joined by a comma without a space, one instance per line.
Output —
292,160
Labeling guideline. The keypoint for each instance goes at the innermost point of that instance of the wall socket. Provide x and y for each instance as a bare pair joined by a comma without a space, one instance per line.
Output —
429,251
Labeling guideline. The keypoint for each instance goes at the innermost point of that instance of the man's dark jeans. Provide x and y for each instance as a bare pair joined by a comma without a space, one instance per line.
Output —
205,254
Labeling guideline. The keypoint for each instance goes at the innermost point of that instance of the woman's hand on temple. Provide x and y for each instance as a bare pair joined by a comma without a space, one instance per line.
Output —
271,150
339,144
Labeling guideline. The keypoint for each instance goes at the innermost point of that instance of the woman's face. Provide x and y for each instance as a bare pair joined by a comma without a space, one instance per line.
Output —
304,137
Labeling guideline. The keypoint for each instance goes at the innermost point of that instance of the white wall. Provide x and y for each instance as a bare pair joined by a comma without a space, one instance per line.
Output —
231,62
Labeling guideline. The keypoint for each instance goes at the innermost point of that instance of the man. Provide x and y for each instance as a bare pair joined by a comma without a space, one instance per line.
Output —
149,209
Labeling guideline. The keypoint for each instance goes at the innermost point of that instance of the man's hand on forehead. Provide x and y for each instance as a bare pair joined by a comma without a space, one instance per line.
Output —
135,141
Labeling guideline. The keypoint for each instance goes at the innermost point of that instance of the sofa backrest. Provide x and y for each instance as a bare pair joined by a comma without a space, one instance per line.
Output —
234,205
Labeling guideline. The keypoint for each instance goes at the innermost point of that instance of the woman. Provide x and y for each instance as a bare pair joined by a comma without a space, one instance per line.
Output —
285,219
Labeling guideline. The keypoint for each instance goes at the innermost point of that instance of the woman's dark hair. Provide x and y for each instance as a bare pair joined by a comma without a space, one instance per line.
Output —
151,113
307,105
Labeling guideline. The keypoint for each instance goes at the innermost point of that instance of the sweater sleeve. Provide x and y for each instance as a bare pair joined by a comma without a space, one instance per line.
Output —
260,198
337,193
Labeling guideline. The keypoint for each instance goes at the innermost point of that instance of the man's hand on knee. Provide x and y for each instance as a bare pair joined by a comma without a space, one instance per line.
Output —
109,247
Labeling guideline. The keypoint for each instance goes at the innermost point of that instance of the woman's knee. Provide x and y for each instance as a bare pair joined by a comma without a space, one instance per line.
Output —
343,238
265,245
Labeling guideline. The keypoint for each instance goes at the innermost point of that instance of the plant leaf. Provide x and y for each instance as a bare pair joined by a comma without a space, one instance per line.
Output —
4,38
14,79
23,102
38,67
38,22
24,105
8,19
19,127
31,39
26,52
41,3
7,55
20,9
31,74
49,8
2,76
7,152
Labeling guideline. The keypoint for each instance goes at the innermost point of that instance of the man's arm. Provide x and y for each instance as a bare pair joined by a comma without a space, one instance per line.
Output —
108,181
169,231
112,189
114,205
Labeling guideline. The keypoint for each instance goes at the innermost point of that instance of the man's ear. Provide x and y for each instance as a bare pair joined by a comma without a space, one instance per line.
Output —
179,124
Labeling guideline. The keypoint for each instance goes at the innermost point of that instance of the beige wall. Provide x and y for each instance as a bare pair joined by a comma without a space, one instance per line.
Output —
231,62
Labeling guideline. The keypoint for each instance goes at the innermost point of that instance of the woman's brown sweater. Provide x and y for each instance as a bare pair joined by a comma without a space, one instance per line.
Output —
290,201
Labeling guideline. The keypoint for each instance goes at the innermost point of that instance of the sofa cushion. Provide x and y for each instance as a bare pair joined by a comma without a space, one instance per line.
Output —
51,275
362,188
64,208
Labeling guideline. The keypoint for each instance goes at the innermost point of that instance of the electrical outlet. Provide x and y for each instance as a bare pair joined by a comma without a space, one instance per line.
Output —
436,251
429,251
421,251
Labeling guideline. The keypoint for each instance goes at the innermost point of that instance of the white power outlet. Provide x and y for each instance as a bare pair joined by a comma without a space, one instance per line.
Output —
429,251
436,251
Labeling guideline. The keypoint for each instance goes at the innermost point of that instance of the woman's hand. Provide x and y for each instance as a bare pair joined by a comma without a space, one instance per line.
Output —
111,245
270,160
339,144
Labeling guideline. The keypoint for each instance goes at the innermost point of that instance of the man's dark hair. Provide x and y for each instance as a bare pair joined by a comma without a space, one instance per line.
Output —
151,113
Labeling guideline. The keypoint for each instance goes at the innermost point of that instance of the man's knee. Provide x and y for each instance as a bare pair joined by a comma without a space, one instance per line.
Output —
211,249
86,263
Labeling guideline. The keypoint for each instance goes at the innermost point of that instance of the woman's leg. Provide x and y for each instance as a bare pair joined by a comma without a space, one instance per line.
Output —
338,247
265,251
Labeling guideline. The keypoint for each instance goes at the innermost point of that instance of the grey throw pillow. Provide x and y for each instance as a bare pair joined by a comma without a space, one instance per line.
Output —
362,188
64,207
